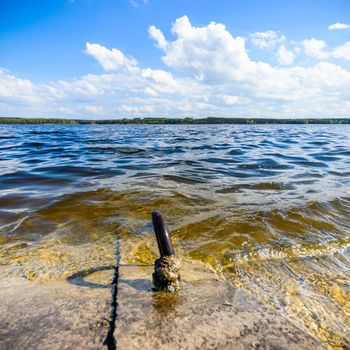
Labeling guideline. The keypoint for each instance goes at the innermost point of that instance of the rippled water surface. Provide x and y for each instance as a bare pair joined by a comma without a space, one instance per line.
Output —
266,207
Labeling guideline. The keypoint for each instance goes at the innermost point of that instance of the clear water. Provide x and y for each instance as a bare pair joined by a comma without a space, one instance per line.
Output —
266,207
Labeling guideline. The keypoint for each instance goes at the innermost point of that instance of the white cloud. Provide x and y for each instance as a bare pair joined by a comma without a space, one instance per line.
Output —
212,56
68,112
135,109
324,78
231,100
209,53
159,80
150,92
315,48
208,72
338,26
92,109
16,89
342,51
318,49
266,39
110,60
158,36
285,56
209,58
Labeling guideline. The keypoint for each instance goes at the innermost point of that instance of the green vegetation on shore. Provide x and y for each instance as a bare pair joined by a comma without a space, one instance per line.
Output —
209,120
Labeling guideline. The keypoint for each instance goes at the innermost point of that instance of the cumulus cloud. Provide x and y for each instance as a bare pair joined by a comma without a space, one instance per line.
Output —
212,56
318,49
160,80
208,71
266,39
231,100
110,60
285,56
209,53
16,89
135,109
95,110
342,51
158,36
315,48
338,26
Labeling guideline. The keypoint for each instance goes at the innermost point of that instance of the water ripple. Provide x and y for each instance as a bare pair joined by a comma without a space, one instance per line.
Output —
266,206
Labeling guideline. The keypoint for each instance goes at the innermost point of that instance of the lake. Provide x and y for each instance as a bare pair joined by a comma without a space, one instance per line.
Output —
266,207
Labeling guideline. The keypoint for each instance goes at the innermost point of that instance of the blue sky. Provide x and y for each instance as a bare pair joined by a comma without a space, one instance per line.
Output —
130,58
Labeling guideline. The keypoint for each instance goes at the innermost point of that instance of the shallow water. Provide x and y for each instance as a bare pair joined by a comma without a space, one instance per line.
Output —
266,207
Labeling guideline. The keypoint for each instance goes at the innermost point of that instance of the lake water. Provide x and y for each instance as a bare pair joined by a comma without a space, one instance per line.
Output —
267,207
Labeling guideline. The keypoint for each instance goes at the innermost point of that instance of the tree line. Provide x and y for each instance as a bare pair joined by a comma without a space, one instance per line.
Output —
209,120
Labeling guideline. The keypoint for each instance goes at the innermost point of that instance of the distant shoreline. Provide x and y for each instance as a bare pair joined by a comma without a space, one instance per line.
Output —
191,121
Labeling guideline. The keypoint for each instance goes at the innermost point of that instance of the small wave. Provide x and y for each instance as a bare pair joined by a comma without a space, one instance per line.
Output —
121,150
262,186
24,179
67,171
292,252
310,164
32,144
183,179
